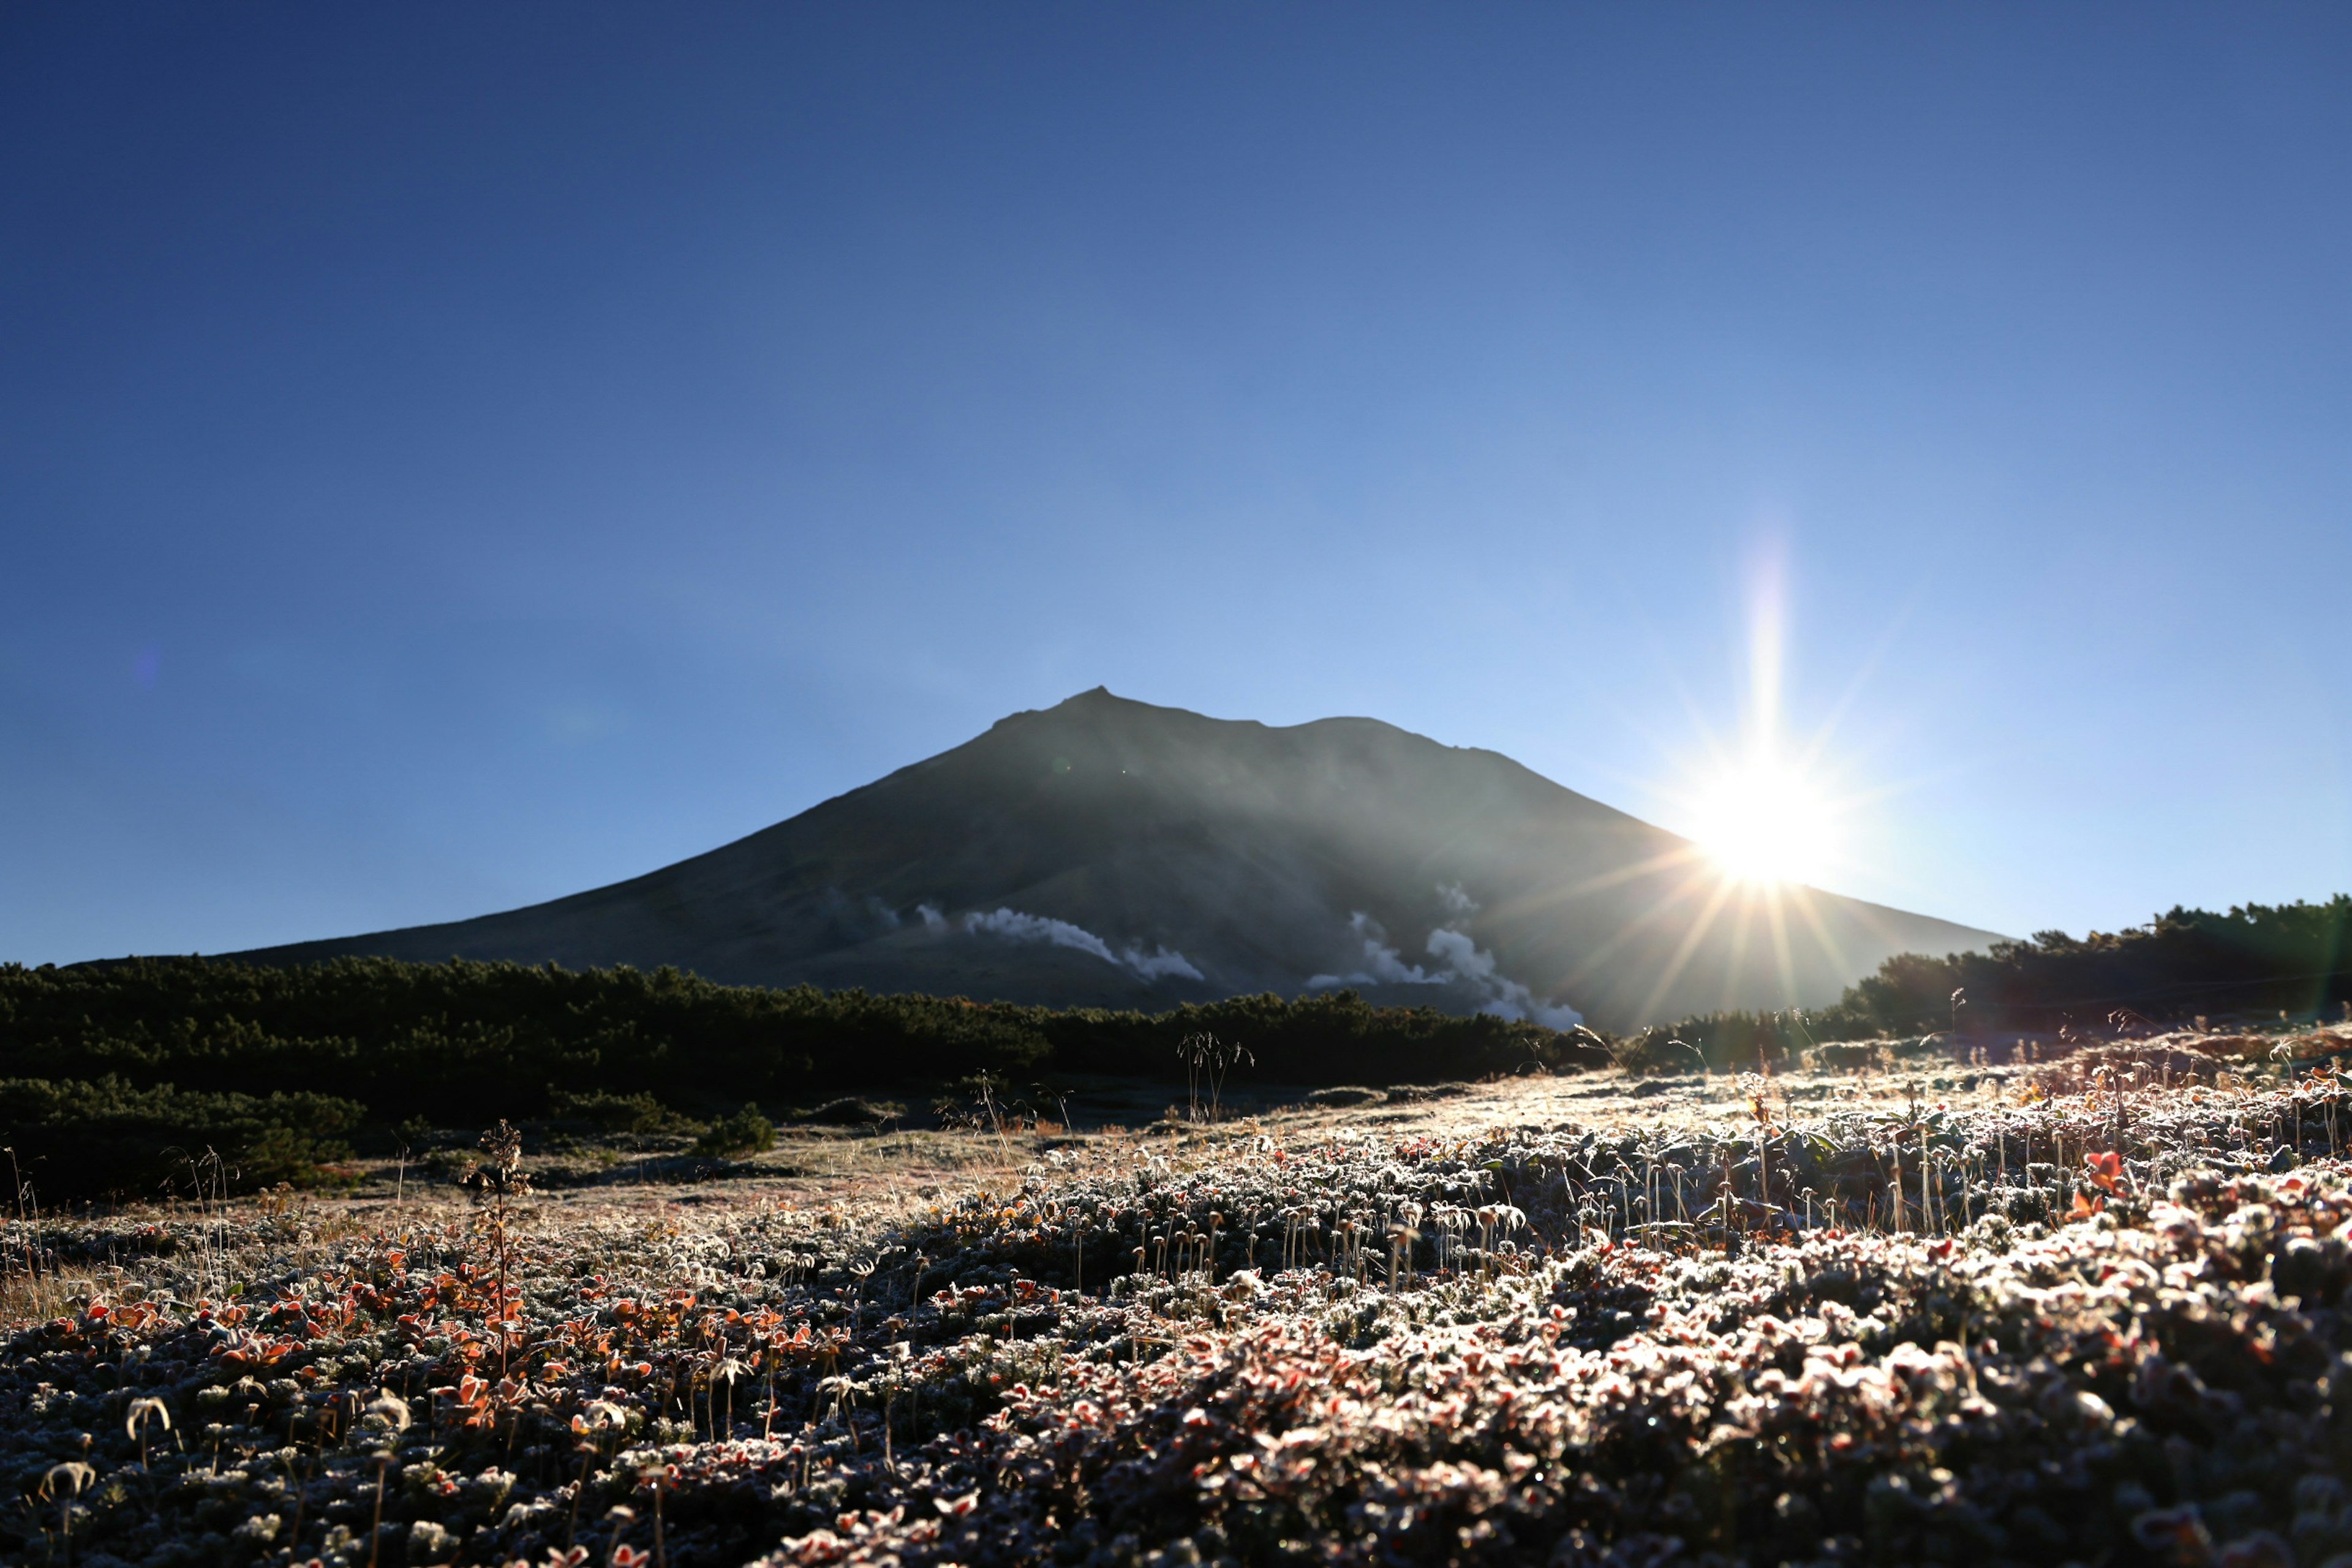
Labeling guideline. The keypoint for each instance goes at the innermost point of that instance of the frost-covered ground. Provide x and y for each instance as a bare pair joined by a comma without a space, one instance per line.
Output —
2083,1313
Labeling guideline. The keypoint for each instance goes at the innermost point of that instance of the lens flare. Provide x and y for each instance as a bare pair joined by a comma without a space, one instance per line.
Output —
1761,811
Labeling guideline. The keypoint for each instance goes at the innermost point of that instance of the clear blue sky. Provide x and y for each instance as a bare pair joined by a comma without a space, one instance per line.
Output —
452,456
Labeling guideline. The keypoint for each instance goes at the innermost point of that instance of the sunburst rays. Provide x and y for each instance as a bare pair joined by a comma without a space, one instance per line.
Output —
1769,814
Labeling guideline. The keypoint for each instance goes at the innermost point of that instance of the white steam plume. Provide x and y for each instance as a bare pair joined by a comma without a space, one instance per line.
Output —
1015,926
1460,962
1465,961
1382,965
1158,964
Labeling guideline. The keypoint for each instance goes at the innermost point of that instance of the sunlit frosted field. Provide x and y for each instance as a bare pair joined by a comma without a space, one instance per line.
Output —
1930,1310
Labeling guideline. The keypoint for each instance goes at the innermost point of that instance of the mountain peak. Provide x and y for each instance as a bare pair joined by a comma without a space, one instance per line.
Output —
1146,855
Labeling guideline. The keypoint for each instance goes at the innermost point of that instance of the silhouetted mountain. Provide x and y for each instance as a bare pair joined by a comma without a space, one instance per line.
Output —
1106,852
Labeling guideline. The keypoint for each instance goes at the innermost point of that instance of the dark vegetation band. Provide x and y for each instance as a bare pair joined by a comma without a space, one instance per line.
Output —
2256,959
106,1070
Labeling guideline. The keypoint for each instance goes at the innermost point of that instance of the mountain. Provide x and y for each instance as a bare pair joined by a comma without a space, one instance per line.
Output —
1107,852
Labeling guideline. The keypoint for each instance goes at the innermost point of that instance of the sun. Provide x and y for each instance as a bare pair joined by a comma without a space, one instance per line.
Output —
1763,822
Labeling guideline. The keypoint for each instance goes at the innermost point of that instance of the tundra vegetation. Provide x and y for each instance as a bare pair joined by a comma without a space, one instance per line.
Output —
1906,1303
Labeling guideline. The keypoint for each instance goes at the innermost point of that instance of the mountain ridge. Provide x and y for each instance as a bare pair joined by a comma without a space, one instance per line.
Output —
1109,852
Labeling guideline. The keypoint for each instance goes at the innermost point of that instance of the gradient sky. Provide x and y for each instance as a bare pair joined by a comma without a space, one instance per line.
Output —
453,456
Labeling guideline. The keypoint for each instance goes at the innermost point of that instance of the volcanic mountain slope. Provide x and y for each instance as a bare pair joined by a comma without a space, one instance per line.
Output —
1107,852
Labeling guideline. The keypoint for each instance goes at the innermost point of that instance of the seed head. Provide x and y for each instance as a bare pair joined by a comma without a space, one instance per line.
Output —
500,1174
391,1407
77,1476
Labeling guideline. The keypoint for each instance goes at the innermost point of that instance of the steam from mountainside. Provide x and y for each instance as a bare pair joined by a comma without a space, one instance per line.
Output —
1015,926
1382,966
859,919
1466,962
1460,962
1158,964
